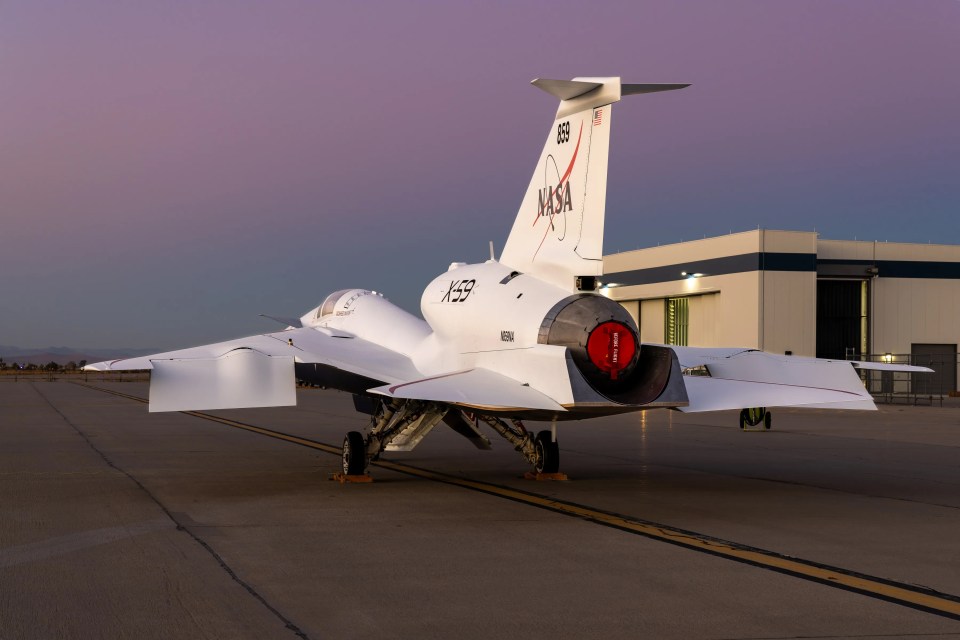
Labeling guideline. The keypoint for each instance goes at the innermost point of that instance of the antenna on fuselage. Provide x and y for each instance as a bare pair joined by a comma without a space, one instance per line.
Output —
491,252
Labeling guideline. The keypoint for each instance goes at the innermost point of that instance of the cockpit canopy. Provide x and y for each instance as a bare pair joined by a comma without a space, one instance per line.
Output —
338,303
329,303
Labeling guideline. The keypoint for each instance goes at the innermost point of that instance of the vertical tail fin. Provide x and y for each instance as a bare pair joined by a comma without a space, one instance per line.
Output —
558,233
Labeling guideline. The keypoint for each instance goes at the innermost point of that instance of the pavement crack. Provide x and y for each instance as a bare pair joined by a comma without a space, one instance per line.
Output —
180,527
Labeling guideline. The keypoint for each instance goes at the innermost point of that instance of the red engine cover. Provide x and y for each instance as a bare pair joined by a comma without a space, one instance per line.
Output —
611,347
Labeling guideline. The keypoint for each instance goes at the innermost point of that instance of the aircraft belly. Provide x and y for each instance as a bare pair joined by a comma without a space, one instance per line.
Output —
328,376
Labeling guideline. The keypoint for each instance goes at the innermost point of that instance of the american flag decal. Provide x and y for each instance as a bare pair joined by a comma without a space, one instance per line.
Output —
597,117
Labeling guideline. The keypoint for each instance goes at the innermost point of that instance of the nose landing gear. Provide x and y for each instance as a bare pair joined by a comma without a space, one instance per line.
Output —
542,450
755,417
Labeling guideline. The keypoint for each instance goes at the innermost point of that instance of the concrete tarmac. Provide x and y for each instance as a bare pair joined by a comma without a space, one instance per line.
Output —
117,523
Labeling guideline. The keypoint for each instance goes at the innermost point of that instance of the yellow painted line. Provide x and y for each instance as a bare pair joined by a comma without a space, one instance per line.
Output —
313,444
929,600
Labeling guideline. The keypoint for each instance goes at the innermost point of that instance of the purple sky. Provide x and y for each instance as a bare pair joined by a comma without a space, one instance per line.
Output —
169,170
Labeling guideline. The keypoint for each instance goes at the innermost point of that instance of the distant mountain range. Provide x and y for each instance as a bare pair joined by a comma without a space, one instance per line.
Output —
63,355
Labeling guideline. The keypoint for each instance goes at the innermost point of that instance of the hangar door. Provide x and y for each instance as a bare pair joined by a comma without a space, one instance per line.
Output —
841,318
942,358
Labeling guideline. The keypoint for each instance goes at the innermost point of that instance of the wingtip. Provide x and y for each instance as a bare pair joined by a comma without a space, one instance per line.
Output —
106,365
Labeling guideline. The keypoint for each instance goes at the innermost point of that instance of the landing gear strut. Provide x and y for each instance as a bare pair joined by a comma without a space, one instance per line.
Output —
542,450
754,416
397,424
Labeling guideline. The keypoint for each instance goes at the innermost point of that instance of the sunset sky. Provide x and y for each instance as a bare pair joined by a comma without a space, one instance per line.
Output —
169,170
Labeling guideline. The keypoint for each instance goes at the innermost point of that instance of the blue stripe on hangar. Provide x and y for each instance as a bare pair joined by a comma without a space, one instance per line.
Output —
803,262
718,266
903,268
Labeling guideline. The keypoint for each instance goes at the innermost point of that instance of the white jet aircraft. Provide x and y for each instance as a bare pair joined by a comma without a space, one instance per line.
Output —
523,337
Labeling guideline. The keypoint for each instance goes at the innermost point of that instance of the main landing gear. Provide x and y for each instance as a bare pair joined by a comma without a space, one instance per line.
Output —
541,450
400,425
354,454
754,417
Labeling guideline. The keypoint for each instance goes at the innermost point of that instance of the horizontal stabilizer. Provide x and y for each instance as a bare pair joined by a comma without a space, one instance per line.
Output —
636,89
476,388
240,379
565,89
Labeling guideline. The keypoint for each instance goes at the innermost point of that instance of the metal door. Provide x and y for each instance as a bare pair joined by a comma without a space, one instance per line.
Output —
942,358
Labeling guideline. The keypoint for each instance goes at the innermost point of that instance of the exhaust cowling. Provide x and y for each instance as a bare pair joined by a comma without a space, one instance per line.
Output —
601,337
604,346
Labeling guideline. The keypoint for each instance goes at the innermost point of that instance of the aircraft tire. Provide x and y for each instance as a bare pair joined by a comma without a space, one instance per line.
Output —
753,416
354,454
743,418
548,453
767,420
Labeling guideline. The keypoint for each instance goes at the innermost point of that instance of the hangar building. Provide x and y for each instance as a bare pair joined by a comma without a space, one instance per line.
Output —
792,292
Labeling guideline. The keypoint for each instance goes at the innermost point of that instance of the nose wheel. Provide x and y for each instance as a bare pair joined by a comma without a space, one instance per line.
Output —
755,417
540,450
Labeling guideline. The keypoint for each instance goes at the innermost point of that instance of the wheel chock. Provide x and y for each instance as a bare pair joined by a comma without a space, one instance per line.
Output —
530,475
343,478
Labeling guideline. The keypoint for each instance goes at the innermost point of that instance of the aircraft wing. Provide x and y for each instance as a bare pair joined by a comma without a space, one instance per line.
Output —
707,393
475,388
258,371
743,378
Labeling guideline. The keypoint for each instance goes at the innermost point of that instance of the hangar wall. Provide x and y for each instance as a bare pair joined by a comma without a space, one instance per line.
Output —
759,289
733,301
915,297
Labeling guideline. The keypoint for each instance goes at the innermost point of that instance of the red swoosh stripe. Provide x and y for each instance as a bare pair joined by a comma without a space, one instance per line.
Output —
566,174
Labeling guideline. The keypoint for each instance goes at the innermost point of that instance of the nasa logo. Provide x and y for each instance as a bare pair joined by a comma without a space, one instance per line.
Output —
553,201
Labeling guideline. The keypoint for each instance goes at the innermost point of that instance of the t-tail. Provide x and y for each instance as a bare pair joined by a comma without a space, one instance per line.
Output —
558,233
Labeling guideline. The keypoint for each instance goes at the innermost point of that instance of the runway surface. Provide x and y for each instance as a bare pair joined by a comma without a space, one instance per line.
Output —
119,523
